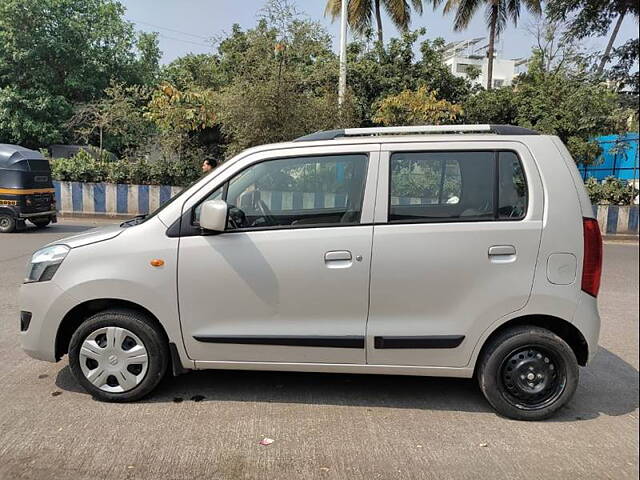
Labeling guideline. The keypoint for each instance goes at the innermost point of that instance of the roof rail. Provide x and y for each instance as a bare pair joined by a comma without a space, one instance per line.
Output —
361,132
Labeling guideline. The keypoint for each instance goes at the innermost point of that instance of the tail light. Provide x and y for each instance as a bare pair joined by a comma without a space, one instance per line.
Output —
592,261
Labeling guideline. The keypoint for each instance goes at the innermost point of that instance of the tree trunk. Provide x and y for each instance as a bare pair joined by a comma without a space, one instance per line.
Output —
100,151
379,21
492,44
607,51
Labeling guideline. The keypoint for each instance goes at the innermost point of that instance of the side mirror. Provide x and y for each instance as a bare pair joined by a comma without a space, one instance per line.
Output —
213,215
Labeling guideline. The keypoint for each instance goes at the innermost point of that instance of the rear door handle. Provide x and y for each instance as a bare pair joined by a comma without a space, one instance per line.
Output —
337,256
502,251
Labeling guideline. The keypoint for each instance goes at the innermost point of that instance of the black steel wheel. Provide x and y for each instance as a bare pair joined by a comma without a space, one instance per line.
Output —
527,373
532,377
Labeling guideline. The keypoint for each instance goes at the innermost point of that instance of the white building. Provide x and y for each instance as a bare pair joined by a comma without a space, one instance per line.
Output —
468,55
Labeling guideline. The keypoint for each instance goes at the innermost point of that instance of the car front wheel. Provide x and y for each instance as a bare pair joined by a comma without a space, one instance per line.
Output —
118,355
528,373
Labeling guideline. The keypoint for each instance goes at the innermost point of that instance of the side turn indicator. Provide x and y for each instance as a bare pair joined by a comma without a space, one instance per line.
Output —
157,262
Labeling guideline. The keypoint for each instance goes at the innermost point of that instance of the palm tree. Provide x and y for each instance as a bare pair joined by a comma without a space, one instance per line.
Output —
622,8
360,13
498,13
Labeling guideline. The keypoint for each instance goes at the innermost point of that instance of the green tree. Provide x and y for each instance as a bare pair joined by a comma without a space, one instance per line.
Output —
594,17
419,107
361,12
492,106
201,70
116,121
375,73
57,53
177,114
498,13
570,105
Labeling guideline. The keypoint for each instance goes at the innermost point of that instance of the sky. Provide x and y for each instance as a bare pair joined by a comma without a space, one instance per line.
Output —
186,26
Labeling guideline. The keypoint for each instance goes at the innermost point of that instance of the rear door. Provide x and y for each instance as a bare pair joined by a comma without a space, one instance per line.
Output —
455,246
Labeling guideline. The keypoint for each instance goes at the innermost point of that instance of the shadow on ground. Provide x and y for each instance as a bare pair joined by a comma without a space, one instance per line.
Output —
608,386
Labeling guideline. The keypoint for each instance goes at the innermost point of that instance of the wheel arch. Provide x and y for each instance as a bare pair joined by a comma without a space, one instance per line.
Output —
78,314
9,210
564,329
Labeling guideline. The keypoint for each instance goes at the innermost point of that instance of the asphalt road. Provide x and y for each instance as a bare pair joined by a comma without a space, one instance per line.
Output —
208,425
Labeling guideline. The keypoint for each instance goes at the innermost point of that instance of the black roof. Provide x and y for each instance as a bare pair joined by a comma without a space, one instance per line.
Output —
11,154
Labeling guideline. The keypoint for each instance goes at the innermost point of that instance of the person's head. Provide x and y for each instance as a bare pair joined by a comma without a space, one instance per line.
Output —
209,164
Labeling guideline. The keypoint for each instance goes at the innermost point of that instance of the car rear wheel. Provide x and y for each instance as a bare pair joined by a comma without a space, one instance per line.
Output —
7,223
528,373
41,222
118,355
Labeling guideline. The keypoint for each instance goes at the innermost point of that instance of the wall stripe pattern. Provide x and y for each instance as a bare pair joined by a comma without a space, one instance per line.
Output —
112,199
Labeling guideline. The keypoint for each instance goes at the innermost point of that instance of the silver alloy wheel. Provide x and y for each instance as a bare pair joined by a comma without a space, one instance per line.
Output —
5,222
113,359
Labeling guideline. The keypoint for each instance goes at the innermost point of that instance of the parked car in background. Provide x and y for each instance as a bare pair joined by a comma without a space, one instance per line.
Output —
460,251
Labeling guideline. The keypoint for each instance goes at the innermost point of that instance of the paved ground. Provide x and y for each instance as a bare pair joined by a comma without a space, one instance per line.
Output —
207,425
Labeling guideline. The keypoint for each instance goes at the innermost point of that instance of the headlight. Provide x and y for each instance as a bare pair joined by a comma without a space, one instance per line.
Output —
45,262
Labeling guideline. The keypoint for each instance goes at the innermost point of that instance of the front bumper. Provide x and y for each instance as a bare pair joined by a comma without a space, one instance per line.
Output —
48,305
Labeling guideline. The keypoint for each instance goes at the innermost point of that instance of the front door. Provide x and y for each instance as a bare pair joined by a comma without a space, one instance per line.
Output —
454,249
288,281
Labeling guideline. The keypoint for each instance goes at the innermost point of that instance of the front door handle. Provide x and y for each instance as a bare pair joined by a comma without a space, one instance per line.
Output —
338,259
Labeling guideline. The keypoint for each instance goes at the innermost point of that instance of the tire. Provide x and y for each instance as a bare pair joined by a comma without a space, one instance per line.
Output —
7,223
110,341
528,373
41,222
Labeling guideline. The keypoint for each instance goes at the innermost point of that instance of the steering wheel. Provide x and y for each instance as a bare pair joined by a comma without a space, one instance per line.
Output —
266,213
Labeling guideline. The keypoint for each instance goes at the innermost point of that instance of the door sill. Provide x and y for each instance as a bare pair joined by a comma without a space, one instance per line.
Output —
458,372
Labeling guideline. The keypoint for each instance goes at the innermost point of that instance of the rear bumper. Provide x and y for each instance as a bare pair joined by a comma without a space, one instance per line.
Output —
587,320
48,213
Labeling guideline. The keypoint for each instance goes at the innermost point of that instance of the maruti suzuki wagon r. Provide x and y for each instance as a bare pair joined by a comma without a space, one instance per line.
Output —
461,251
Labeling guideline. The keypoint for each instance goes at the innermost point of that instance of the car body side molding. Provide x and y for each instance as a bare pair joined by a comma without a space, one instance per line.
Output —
432,341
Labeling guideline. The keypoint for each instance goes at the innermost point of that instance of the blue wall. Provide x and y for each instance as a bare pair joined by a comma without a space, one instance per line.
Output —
621,164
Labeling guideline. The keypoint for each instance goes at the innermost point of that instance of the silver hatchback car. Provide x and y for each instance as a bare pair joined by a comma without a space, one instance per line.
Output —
460,251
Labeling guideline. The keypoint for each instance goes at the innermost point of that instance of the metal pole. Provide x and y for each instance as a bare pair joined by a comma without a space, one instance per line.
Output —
342,84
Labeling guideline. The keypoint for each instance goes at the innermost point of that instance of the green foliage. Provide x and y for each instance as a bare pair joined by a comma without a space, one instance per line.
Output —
563,103
377,72
85,167
498,106
115,122
416,108
57,53
611,190
281,86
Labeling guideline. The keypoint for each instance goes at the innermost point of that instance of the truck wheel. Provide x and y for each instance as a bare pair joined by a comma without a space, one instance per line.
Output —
528,373
7,223
118,355
41,222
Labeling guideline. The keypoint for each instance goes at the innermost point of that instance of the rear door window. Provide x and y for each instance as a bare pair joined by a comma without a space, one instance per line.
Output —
456,186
